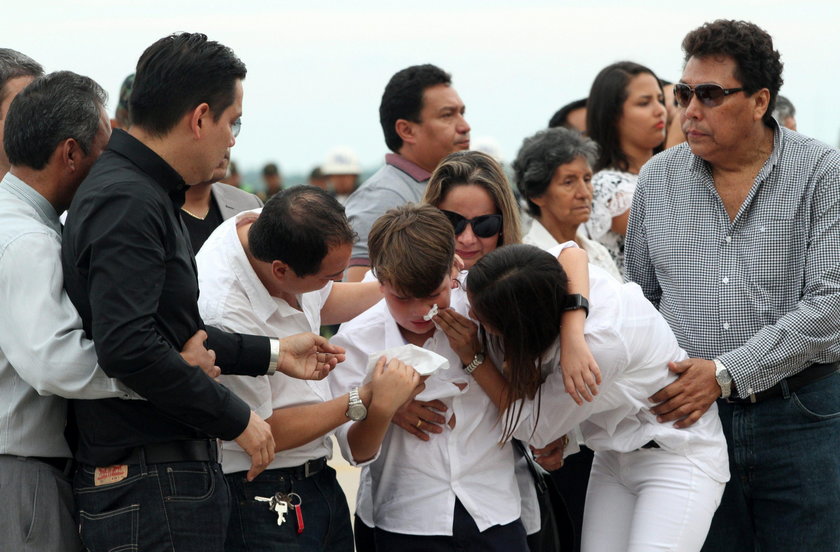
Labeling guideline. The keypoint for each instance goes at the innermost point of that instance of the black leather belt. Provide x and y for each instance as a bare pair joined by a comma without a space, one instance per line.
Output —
810,374
308,469
199,450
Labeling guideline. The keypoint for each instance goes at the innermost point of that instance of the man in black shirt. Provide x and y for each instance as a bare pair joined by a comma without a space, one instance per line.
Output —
149,476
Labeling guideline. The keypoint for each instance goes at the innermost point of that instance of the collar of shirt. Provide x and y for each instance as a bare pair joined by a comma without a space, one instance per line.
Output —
704,168
416,172
149,162
27,193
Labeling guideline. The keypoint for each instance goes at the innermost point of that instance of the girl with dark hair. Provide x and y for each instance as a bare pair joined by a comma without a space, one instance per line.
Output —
626,117
652,486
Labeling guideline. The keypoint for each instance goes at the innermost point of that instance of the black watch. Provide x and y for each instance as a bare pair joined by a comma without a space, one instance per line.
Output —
576,301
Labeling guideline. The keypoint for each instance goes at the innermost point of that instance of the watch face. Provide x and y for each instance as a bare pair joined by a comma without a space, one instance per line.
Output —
357,412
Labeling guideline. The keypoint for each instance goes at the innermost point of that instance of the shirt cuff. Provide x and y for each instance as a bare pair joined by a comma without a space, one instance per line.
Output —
274,345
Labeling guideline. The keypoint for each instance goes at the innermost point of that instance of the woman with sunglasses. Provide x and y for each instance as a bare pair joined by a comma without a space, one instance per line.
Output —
553,171
473,192
626,117
652,486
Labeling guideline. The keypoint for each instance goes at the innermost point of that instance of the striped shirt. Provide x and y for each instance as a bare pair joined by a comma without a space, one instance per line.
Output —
761,292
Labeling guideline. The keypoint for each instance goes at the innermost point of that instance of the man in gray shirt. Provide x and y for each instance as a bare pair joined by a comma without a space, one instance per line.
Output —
734,236
422,118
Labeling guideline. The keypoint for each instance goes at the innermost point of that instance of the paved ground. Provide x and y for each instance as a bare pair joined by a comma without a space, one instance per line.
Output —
348,476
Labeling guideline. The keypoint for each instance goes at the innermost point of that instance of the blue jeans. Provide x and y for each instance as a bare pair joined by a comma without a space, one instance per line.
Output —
181,506
784,455
326,516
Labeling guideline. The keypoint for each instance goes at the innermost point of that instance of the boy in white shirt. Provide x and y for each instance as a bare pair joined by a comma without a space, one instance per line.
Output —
270,272
458,488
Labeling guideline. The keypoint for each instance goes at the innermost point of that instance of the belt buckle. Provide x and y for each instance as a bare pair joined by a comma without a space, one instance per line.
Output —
306,469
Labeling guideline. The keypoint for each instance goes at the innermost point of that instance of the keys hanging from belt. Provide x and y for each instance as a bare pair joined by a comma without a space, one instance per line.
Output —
279,504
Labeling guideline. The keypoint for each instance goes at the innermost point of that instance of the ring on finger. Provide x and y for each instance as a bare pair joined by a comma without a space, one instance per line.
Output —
419,423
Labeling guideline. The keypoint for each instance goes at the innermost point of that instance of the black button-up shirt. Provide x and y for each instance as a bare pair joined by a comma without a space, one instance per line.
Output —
130,270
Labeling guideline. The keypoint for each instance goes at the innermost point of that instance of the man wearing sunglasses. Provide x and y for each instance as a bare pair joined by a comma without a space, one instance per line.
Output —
422,118
735,237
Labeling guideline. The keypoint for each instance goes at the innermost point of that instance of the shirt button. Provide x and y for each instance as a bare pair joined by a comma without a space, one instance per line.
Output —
725,279
726,325
728,239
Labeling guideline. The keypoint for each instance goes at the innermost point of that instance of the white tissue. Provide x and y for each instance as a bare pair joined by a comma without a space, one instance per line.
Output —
425,362
432,313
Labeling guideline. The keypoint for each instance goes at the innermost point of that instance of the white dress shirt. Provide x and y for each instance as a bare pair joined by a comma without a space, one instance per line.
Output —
413,484
43,349
234,299
599,256
632,344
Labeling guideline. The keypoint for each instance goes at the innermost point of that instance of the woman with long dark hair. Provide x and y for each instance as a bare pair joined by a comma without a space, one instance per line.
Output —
626,117
652,486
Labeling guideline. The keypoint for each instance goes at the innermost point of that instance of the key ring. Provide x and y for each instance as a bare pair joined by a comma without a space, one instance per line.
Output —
292,497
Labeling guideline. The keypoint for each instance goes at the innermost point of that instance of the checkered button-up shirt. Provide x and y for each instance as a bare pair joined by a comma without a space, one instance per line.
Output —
762,292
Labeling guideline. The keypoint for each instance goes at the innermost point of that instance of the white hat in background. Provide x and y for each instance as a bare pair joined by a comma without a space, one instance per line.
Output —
341,160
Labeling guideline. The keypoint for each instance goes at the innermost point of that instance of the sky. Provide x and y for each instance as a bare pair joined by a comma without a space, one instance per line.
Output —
316,70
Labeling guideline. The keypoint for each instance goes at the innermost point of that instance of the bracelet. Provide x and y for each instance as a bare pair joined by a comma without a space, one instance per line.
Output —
476,362
576,301
274,345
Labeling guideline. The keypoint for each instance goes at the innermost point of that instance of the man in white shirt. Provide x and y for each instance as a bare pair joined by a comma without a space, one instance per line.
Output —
44,355
271,272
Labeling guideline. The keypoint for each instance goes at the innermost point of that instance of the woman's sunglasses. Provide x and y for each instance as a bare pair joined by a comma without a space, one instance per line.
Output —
484,226
710,94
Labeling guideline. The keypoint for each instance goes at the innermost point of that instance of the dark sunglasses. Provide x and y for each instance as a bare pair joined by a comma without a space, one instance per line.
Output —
484,226
710,94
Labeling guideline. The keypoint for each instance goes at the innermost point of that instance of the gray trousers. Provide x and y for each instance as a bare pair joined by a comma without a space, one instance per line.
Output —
36,507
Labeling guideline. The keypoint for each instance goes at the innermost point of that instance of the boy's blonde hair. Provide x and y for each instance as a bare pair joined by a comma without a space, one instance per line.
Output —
412,249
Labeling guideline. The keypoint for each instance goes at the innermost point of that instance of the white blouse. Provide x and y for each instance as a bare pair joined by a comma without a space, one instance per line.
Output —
613,195
632,344
540,237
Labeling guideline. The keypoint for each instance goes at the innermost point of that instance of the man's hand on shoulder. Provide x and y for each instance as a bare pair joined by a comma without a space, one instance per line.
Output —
308,356
690,396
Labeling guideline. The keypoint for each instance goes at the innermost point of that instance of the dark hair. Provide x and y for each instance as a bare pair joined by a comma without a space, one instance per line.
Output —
519,291
479,169
403,98
606,104
541,154
561,118
298,226
52,109
757,64
176,74
270,169
412,248
13,65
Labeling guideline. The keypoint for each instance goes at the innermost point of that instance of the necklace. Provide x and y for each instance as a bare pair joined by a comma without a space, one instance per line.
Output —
193,215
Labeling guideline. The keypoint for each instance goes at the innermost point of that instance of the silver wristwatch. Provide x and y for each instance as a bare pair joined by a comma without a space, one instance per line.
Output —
724,379
475,363
356,410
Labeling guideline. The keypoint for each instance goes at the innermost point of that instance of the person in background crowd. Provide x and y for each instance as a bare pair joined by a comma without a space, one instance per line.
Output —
122,116
422,118
341,171
553,171
785,113
16,71
233,177
734,237
572,115
272,180
626,117
317,179
209,203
